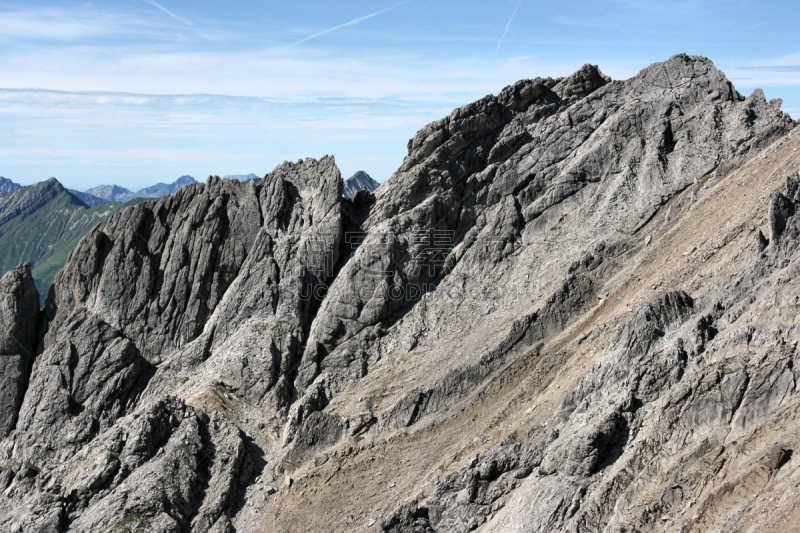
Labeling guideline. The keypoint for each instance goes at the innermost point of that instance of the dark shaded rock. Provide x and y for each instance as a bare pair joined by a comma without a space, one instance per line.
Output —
19,315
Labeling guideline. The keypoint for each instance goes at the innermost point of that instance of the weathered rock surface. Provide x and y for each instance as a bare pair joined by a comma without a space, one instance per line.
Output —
19,315
572,308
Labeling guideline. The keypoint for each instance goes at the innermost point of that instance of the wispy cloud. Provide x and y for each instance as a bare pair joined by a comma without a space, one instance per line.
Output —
304,74
352,22
50,101
774,68
514,14
168,12
182,21
80,26
59,24
776,71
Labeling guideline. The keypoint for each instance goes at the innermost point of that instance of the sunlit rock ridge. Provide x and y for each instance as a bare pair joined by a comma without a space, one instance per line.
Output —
574,307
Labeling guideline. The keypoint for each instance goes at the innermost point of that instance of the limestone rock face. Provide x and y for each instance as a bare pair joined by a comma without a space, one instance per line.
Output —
510,176
572,308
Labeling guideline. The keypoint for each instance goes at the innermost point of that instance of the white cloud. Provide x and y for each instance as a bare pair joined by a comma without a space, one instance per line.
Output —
268,73
60,24
783,70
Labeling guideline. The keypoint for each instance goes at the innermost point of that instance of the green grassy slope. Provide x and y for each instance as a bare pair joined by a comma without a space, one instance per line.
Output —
42,224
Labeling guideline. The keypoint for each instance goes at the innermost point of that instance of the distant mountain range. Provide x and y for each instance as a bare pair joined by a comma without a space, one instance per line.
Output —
6,185
115,193
109,192
358,181
42,223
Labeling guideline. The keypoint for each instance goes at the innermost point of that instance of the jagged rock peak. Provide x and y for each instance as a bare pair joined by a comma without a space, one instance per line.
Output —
174,258
357,183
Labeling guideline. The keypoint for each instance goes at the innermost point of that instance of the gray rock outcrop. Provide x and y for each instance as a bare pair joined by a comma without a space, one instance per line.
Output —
19,316
572,308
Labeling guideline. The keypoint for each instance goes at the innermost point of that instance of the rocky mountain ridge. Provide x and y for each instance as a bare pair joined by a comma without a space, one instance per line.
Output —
572,308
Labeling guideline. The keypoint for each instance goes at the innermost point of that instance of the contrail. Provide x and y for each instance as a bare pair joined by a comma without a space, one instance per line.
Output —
167,11
354,21
508,25
180,19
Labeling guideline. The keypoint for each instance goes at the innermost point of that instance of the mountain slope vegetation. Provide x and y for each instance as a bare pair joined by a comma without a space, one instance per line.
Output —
41,224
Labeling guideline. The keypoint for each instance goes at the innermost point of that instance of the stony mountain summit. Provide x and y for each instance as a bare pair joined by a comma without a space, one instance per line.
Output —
357,183
6,185
110,193
574,307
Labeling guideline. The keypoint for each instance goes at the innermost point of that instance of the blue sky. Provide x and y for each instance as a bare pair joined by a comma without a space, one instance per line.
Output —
134,92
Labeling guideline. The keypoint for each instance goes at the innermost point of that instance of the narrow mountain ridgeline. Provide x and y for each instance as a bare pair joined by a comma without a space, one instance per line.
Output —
41,224
358,182
574,307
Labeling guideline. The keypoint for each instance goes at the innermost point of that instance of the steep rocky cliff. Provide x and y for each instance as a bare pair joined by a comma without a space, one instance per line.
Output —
572,308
